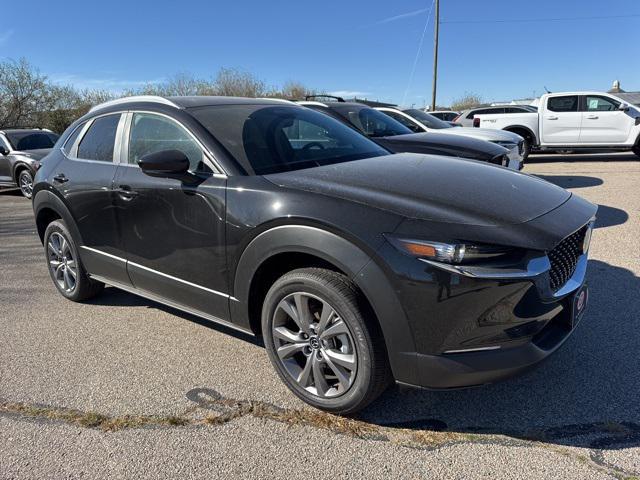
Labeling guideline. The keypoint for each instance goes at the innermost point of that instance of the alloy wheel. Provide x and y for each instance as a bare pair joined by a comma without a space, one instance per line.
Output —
314,345
25,182
63,265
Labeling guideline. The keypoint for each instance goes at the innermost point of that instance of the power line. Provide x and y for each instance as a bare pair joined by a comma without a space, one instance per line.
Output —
415,60
556,19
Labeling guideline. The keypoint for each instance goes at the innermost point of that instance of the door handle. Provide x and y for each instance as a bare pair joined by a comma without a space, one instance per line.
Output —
60,178
592,117
125,192
552,118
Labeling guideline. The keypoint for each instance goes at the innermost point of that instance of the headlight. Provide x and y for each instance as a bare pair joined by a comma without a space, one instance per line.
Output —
448,252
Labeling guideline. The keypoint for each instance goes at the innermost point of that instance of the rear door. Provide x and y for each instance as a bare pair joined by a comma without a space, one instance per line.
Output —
84,178
561,120
602,122
5,163
173,229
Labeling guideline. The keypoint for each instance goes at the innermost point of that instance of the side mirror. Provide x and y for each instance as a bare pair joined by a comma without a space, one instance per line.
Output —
3,150
623,107
165,163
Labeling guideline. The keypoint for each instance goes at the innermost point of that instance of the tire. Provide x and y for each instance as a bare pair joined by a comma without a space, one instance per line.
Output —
636,150
64,264
25,183
526,148
349,336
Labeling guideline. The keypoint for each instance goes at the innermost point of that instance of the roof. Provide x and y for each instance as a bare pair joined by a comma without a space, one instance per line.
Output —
192,101
23,129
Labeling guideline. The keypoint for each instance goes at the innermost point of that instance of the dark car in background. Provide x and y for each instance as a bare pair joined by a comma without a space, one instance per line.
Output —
357,267
21,150
396,137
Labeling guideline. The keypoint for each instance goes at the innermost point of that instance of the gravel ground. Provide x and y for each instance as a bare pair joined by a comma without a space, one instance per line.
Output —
124,388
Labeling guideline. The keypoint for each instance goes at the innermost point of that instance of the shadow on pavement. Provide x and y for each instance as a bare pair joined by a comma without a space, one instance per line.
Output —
119,298
584,395
572,181
610,216
583,157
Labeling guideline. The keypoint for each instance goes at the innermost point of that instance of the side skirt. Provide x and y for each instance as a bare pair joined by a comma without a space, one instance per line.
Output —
156,298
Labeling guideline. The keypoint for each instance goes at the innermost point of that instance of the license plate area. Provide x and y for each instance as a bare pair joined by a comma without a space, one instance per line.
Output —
579,302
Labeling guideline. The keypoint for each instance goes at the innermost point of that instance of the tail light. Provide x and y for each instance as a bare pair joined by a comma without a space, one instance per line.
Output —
476,122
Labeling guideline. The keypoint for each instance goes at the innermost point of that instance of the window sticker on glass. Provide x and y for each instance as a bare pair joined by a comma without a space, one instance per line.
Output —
593,104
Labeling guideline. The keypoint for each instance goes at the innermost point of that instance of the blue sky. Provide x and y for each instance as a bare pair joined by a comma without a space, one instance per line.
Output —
362,47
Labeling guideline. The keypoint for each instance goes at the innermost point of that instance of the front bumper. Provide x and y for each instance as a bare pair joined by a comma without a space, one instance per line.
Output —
478,325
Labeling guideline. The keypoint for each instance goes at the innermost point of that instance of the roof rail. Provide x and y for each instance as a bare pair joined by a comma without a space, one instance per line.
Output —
282,100
21,127
135,98
337,99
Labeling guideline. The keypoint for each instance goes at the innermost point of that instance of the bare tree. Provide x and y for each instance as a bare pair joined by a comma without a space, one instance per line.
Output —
468,100
293,90
238,83
23,92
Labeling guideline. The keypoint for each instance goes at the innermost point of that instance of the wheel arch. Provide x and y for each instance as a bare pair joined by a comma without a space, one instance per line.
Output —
520,129
19,167
307,246
47,207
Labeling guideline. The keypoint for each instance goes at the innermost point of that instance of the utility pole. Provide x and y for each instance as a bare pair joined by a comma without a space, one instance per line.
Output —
435,56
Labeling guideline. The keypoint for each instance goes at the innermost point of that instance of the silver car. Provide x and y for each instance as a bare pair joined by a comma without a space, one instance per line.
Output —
21,150
419,121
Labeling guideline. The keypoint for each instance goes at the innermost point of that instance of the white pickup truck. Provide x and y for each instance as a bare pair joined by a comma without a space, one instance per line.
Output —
573,121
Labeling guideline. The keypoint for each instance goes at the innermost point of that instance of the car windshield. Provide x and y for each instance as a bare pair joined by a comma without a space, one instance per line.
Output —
277,138
372,122
427,119
31,140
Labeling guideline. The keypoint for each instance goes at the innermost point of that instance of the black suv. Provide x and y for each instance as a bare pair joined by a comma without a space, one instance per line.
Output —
358,267
21,150
398,138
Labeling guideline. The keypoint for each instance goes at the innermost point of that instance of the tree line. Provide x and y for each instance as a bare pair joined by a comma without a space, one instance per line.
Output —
29,98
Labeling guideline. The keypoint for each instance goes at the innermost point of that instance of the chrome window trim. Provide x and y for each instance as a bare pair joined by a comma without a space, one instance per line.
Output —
217,169
73,154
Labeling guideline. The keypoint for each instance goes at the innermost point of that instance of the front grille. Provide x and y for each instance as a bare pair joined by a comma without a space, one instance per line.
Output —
564,258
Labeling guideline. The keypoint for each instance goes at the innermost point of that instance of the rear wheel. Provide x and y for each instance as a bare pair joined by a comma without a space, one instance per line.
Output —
25,182
322,343
636,150
65,266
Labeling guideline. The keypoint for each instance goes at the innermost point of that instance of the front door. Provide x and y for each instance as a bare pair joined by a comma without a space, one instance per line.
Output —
602,122
561,120
173,229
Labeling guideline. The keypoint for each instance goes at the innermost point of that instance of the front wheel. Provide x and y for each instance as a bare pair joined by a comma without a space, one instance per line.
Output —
322,342
636,150
25,183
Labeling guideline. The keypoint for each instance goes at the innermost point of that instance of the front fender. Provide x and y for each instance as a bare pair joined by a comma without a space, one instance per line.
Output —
350,259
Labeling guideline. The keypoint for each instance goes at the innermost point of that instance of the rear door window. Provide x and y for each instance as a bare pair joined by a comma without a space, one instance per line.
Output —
99,141
567,103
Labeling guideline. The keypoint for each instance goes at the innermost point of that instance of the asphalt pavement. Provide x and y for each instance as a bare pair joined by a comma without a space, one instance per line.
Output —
121,387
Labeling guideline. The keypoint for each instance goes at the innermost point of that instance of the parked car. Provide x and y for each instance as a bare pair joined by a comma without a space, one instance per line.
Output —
574,121
394,136
446,115
21,150
419,121
466,116
356,266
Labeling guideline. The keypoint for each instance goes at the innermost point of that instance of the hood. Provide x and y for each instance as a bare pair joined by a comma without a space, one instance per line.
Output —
434,188
442,144
487,134
38,154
